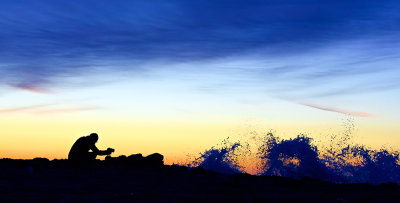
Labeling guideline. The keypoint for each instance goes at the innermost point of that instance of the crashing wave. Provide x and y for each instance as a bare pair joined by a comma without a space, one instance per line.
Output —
298,158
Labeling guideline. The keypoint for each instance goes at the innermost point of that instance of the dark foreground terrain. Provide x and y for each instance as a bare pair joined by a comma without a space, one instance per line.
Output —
124,180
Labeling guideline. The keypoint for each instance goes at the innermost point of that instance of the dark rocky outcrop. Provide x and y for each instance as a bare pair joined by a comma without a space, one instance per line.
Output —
136,178
137,160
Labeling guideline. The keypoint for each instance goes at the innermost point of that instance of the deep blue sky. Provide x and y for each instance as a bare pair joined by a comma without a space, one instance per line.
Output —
40,40
300,51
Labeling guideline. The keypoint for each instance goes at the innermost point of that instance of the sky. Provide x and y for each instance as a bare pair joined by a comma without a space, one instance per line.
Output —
177,77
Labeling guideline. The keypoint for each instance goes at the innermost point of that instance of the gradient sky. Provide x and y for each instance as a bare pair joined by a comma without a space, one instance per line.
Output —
177,77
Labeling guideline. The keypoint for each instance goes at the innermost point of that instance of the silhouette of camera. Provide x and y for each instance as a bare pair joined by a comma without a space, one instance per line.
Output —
111,149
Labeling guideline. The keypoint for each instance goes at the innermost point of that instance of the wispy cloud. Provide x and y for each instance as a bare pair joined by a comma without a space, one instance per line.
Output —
64,110
46,109
22,108
341,111
30,88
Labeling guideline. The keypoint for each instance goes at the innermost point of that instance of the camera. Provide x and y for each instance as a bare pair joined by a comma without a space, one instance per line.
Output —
111,149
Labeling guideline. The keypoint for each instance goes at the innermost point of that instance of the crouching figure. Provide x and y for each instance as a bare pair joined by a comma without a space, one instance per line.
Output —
85,151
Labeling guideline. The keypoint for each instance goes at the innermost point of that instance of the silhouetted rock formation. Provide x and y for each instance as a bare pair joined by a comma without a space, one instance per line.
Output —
145,179
152,160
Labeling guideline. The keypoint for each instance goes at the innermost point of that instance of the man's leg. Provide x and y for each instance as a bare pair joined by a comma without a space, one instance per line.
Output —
92,156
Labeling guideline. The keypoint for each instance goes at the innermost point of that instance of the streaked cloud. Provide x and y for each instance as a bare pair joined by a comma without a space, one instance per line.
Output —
64,110
30,88
22,108
341,111
46,109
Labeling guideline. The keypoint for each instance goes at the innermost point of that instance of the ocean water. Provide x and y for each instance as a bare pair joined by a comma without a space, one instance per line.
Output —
341,161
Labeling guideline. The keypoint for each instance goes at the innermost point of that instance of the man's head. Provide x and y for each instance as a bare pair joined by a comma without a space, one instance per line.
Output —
94,137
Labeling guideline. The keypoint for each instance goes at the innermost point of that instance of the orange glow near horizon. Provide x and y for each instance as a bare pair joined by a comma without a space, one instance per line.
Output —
51,136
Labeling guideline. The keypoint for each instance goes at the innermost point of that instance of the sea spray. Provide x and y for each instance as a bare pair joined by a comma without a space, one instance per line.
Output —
221,159
294,158
336,160
376,167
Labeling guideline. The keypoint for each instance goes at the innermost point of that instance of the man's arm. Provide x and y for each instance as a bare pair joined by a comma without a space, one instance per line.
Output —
101,152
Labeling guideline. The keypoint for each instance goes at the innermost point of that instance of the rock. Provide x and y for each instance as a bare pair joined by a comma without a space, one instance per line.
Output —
155,159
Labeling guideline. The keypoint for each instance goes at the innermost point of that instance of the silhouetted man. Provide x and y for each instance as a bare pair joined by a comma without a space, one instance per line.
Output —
79,153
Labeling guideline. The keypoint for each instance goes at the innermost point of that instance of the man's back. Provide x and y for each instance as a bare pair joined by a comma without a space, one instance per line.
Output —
80,148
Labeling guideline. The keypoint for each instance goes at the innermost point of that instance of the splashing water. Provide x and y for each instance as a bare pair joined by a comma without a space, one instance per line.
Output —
298,157
291,158
222,160
353,165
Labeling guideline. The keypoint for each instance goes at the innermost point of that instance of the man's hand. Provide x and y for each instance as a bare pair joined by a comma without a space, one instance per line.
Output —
110,150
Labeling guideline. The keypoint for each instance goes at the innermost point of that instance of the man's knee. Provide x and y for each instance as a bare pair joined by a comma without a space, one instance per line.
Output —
92,156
